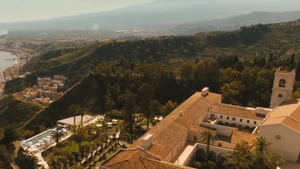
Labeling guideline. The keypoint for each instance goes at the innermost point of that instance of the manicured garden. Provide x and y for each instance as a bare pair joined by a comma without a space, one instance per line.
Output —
88,147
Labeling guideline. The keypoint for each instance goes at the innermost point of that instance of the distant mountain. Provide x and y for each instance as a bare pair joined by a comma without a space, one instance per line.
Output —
235,22
160,14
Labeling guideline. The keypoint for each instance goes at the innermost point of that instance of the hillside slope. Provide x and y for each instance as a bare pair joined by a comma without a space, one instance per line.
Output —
15,111
75,65
250,42
79,94
235,22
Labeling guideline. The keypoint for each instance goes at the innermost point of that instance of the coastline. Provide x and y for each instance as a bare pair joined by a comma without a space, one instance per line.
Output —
8,72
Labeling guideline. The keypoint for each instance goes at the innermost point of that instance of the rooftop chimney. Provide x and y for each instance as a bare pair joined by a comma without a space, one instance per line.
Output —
147,141
205,91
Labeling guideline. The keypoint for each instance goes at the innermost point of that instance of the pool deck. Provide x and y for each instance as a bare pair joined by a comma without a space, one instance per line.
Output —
38,154
28,140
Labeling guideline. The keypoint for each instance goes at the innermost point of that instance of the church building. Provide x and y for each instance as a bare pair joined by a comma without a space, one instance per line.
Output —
172,143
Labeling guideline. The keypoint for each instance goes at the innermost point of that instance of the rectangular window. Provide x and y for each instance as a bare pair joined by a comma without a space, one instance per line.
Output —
233,119
241,120
248,121
227,118
254,122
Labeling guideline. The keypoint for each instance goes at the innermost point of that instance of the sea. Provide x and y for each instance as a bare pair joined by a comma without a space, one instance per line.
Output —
3,32
6,57
6,60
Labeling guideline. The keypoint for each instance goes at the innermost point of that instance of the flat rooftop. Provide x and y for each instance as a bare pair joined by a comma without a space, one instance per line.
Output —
70,120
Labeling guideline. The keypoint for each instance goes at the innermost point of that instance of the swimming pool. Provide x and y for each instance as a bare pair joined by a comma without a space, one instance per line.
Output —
35,139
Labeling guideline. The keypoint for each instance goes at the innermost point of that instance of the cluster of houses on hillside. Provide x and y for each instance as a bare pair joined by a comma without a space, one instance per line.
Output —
46,90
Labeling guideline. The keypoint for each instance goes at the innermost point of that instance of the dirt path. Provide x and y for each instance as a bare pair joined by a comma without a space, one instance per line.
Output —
17,145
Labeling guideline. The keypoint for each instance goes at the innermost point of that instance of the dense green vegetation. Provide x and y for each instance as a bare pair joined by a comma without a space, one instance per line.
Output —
20,84
248,43
15,111
246,64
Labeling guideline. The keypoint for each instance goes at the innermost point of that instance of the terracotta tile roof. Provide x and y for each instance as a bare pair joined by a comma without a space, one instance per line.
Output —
174,127
284,71
139,159
154,164
292,123
287,113
129,158
237,111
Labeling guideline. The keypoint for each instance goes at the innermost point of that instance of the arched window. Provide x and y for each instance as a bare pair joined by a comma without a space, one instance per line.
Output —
282,82
280,95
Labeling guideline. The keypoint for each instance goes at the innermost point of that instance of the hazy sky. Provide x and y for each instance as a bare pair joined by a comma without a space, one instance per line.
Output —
18,10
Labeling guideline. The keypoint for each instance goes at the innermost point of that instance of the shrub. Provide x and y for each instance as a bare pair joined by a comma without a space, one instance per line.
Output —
220,123
226,124
240,127
232,125
247,128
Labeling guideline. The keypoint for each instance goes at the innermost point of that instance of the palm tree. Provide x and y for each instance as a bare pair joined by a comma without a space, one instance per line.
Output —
80,135
208,137
74,110
82,113
56,135
261,145
238,160
274,160
241,157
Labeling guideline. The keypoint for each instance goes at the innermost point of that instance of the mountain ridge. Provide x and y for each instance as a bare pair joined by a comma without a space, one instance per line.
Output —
235,22
152,15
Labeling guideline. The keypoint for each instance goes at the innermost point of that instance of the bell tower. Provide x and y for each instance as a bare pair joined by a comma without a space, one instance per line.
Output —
282,87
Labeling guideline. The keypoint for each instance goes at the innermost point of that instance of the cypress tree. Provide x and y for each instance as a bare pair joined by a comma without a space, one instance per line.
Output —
298,71
293,58
254,62
271,57
235,59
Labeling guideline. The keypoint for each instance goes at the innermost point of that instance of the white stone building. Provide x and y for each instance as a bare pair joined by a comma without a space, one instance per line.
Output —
282,129
176,137
282,87
238,115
